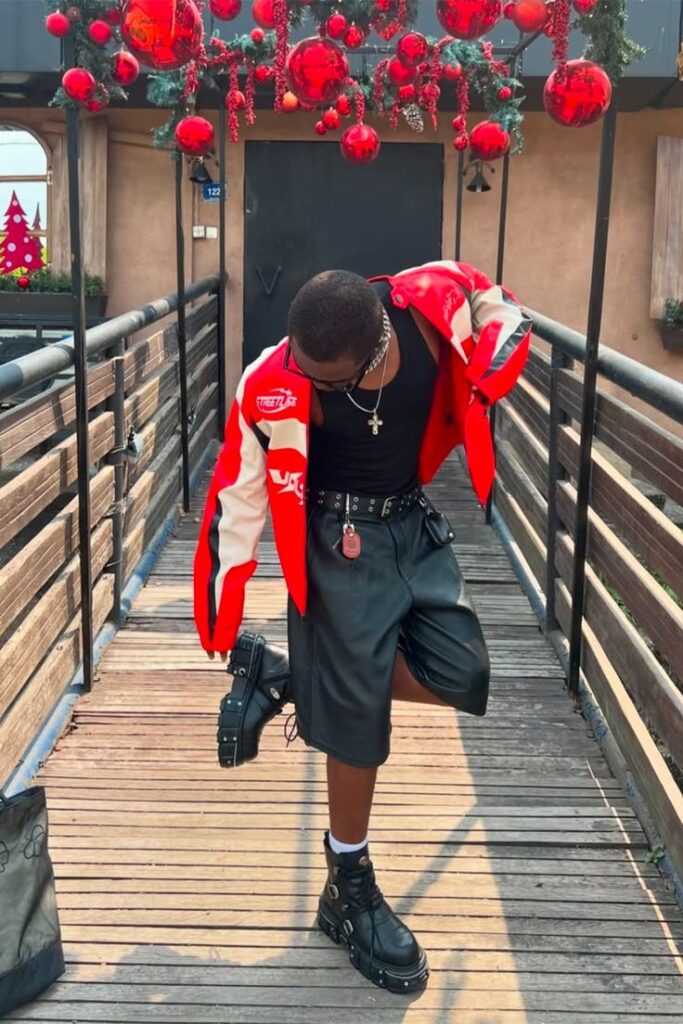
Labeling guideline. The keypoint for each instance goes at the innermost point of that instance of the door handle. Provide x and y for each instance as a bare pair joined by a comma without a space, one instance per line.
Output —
269,288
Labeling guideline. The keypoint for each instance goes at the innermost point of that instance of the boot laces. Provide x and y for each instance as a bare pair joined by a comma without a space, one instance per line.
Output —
365,896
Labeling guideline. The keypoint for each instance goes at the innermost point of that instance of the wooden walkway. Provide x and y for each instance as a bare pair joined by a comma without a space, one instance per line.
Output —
188,893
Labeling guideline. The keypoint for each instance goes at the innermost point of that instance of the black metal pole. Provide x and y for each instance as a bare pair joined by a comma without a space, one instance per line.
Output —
502,226
220,328
81,375
557,361
597,293
458,208
118,458
182,340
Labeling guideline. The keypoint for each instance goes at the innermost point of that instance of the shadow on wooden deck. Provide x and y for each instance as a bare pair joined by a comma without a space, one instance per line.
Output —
188,893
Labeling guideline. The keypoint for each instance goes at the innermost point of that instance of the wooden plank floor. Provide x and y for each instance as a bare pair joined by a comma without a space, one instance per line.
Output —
188,893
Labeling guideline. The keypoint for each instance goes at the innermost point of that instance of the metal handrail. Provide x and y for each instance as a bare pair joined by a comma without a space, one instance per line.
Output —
38,366
662,392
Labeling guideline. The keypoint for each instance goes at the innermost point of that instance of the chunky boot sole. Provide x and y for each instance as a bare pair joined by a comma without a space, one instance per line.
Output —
234,746
239,723
412,978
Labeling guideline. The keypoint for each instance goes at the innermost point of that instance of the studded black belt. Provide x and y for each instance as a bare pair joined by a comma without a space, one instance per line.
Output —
374,506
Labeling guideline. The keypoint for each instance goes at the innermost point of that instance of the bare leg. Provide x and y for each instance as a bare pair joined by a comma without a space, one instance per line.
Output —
349,792
404,685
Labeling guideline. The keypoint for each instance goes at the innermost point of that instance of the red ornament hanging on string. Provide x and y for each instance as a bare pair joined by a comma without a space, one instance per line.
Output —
529,15
263,14
585,6
320,128
99,32
354,37
78,84
317,70
336,26
578,94
468,19
235,100
451,72
331,119
344,105
225,10
99,101
257,35
163,34
399,74
194,135
58,24
489,141
412,49
263,73
360,144
125,67
289,103
504,93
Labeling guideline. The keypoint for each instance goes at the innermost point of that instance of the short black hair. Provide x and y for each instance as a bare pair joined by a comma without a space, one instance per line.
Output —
336,314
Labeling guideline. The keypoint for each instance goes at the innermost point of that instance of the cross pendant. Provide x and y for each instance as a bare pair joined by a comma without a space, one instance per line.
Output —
375,422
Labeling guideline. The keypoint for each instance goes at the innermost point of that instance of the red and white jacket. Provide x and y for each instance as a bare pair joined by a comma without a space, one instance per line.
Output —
264,458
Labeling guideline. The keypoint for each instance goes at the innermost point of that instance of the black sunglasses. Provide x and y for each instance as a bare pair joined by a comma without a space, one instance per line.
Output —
337,385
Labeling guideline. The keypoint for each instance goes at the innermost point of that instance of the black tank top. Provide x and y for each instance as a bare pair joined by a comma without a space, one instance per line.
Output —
344,454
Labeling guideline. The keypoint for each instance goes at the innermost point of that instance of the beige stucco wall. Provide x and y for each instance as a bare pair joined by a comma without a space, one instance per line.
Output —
550,220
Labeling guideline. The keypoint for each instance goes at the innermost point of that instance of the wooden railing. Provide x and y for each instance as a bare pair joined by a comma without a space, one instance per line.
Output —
631,644
134,403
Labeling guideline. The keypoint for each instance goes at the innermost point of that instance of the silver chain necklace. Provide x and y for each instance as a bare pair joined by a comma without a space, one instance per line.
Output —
383,344
375,422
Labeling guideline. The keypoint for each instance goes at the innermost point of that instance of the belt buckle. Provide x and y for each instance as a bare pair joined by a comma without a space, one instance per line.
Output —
386,506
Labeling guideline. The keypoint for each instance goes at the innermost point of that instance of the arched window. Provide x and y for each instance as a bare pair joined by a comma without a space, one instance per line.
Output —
24,179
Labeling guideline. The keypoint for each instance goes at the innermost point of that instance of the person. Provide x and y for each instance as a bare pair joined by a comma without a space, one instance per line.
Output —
337,428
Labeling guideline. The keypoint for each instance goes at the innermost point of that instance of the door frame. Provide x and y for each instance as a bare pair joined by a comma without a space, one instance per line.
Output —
297,128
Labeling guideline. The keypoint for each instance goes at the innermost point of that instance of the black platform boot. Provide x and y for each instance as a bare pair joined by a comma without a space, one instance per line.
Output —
259,692
352,910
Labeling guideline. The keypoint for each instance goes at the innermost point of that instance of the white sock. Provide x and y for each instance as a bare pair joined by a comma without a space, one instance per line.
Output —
338,847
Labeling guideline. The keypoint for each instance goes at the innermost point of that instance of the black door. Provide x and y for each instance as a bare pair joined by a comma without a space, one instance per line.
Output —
307,210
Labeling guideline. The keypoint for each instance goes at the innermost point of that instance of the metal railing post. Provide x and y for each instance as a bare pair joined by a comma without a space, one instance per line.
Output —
118,459
589,391
81,375
458,206
182,338
220,327
556,416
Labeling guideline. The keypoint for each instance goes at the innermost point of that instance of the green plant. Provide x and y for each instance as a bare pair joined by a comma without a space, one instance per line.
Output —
48,280
673,313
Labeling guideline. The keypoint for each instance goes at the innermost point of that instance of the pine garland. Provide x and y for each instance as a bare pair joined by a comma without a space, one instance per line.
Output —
90,56
488,77
608,45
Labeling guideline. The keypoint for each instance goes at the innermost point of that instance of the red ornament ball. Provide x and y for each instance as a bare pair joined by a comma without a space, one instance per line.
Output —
489,141
24,282
577,95
584,6
529,15
225,10
504,93
468,19
99,32
58,24
331,119
163,34
412,49
509,9
354,37
335,26
262,13
263,73
399,74
429,93
459,123
125,67
235,100
451,72
344,105
78,84
257,35
320,128
289,103
112,16
360,144
194,135
317,70
462,142
99,101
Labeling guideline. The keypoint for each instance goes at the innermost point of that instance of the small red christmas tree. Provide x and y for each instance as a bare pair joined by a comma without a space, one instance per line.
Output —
18,249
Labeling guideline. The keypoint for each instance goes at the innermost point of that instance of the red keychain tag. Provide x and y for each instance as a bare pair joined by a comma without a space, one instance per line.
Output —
350,541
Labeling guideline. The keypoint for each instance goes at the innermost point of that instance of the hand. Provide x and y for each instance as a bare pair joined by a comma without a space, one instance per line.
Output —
223,654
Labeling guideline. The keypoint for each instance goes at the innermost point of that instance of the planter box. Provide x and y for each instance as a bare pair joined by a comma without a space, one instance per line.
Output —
672,337
53,307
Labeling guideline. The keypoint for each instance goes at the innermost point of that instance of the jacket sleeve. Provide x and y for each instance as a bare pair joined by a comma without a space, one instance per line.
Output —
502,334
232,524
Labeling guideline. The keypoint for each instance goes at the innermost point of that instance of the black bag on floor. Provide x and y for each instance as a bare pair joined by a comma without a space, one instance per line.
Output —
31,955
